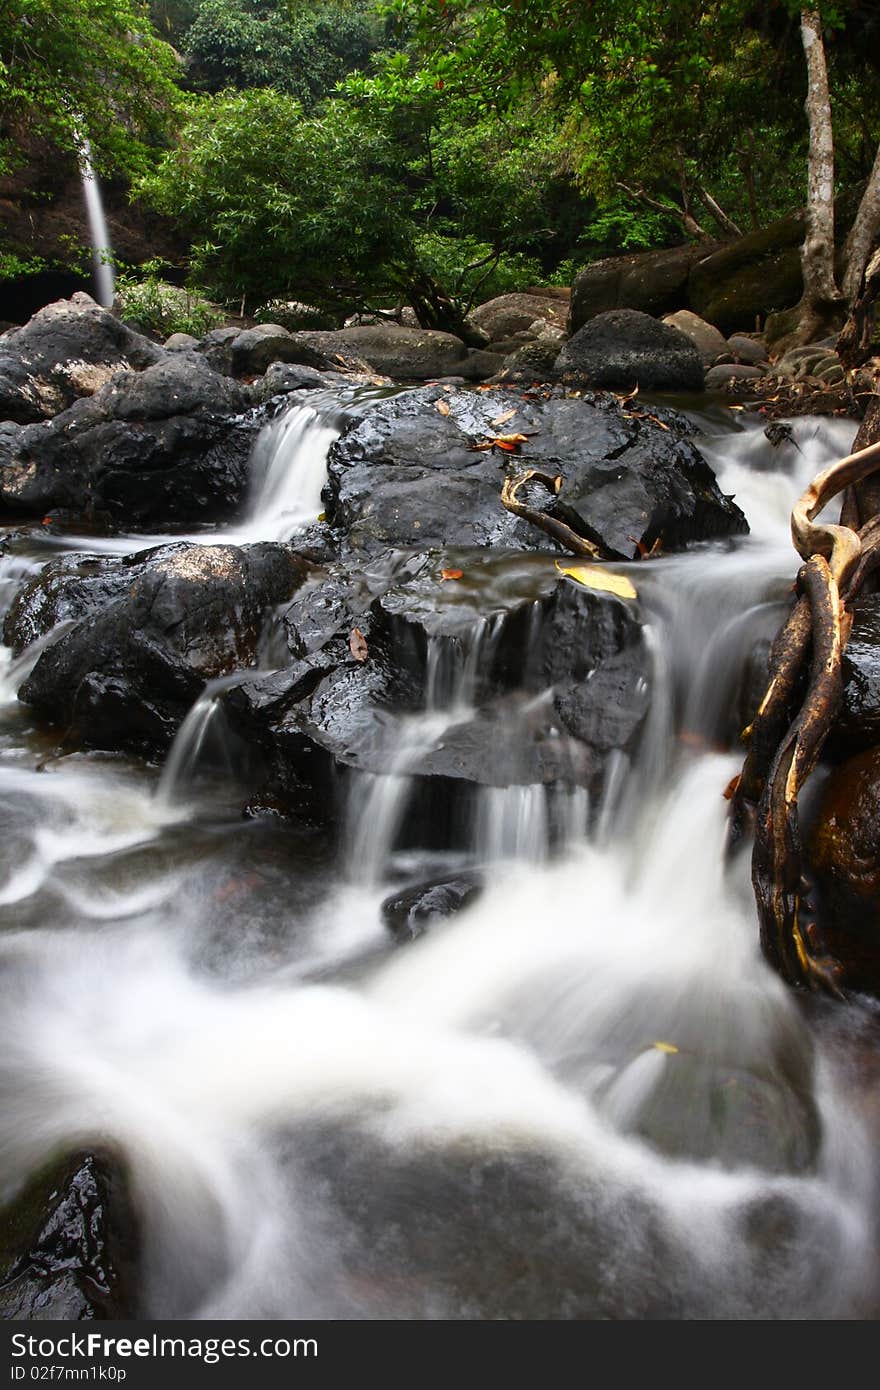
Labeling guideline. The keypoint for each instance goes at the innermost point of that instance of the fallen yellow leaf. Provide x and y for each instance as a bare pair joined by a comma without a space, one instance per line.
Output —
665,1047
593,577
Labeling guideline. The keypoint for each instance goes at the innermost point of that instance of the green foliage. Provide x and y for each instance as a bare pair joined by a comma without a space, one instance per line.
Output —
15,267
70,68
283,204
300,50
157,308
473,271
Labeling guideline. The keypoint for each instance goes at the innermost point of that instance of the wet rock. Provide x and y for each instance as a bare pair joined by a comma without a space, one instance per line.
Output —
149,631
857,726
516,664
165,446
624,348
69,349
844,851
413,911
409,474
70,1245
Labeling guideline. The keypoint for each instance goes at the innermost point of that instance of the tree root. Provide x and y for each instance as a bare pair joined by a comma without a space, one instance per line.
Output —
550,525
789,729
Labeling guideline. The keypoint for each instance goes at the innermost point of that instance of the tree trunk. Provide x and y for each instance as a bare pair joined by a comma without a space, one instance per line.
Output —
862,234
821,300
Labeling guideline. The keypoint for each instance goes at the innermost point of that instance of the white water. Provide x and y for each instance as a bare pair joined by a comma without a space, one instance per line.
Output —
482,1124
102,251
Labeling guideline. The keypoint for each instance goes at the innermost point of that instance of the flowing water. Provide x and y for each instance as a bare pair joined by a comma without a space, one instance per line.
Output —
102,251
584,1097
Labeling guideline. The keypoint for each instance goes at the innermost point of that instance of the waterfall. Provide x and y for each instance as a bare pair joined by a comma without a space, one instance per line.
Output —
101,248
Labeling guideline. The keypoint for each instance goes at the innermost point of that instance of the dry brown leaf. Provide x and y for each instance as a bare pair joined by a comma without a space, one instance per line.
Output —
442,406
502,419
730,789
357,643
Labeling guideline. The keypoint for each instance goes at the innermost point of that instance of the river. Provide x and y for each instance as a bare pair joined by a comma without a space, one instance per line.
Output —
586,1096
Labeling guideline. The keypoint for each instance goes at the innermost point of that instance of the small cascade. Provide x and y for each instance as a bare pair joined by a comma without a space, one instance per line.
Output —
203,747
289,469
101,249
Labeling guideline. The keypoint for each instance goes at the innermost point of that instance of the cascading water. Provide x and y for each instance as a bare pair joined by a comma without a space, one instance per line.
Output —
102,251
586,1096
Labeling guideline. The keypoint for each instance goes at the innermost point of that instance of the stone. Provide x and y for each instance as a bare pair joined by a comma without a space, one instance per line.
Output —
148,632
412,911
748,350
710,344
623,348
70,1244
68,350
408,474
404,354
164,446
719,377
655,282
254,349
507,314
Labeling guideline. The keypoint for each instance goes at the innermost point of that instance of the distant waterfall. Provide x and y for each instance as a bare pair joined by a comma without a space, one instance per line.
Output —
100,236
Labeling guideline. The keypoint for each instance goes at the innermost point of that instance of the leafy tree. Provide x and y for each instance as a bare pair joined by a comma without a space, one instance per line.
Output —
284,203
297,49
74,68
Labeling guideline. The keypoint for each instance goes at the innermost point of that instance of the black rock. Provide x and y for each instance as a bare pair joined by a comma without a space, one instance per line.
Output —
411,912
149,631
166,446
624,348
69,349
70,1245
408,473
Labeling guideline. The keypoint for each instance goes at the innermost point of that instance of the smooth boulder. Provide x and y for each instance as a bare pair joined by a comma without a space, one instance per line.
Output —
624,349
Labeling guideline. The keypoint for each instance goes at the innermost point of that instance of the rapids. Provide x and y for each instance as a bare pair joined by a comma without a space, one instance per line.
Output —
516,1115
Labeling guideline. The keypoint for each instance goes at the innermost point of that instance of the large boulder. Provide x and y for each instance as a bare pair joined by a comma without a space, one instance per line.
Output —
147,632
654,282
419,469
404,354
166,446
624,348
710,344
857,726
69,349
70,1244
508,314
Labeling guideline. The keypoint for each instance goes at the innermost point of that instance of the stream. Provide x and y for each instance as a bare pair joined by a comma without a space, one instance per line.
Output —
585,1096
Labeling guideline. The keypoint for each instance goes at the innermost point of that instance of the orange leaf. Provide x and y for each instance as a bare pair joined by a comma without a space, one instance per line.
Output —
451,574
731,787
357,643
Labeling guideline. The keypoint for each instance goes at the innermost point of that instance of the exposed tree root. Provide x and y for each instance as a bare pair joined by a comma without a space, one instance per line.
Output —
790,727
550,525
